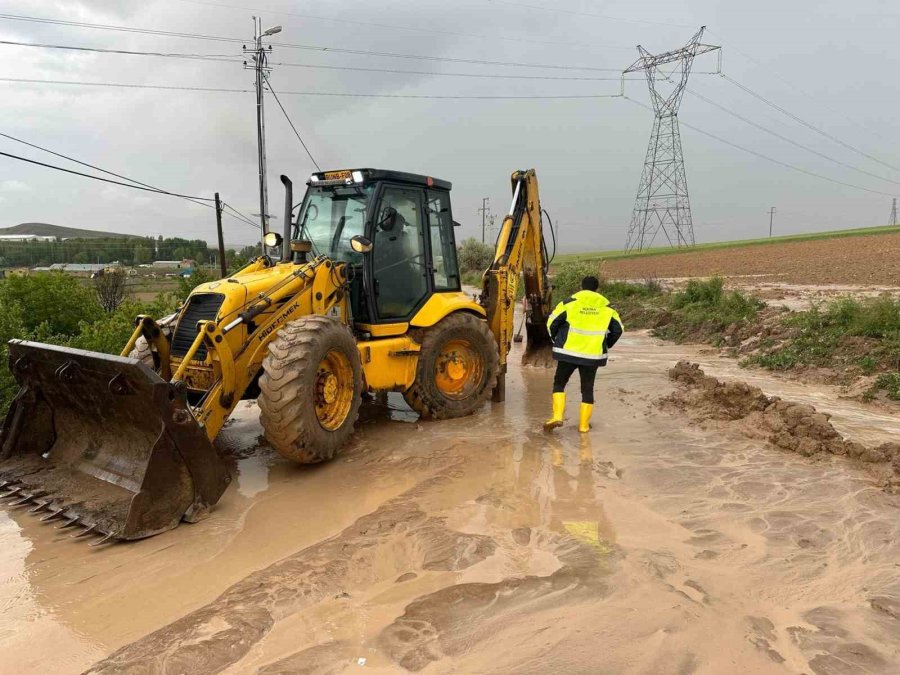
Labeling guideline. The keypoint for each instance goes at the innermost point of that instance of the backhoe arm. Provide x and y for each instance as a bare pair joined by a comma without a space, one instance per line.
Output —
520,251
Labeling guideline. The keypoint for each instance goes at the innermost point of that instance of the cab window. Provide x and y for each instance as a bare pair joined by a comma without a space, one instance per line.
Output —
443,252
398,253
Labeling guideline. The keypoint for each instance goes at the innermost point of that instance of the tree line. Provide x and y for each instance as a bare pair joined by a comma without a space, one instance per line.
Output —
127,250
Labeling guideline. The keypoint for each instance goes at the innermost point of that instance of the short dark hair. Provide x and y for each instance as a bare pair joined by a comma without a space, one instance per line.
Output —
590,283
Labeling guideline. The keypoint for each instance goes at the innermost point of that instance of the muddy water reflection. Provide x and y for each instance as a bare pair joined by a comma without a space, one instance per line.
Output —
482,544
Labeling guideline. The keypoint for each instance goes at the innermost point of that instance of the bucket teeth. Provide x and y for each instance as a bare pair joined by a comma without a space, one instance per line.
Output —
12,492
85,532
53,514
106,538
34,495
71,521
40,505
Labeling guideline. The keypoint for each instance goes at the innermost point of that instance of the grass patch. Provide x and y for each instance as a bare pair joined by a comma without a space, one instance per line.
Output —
705,311
888,383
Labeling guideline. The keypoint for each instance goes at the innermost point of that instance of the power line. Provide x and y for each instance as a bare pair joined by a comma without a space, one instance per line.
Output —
598,16
97,168
433,31
767,158
288,45
105,180
440,74
288,118
239,215
138,185
788,140
167,87
806,124
797,90
226,58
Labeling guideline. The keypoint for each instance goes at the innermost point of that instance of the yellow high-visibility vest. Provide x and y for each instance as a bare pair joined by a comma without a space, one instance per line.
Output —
581,336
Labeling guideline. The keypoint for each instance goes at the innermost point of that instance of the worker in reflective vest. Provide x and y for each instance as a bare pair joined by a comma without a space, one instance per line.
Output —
583,329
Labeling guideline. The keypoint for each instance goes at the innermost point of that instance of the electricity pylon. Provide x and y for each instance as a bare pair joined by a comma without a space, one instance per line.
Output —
662,203
893,219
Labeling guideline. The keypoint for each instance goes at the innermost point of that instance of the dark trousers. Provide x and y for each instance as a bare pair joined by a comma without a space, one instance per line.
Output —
564,371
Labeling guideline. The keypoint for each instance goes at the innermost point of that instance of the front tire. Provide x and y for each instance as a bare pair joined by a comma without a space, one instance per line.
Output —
457,369
310,389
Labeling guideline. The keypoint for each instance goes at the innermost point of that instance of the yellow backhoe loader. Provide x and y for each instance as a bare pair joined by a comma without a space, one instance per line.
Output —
364,295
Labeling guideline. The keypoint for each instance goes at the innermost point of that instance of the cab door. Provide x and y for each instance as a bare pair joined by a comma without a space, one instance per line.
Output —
443,266
400,272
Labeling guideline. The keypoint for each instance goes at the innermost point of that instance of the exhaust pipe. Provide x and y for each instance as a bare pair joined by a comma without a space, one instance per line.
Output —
286,254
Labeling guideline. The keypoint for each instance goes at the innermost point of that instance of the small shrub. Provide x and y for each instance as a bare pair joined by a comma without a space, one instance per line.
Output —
474,256
887,382
868,364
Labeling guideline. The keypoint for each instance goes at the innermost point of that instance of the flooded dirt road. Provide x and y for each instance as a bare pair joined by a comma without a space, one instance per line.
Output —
485,545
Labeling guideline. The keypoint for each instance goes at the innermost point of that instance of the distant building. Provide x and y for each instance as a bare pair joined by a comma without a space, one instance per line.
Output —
76,269
167,263
25,237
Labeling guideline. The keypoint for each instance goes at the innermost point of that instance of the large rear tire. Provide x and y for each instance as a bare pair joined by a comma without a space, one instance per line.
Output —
457,368
310,389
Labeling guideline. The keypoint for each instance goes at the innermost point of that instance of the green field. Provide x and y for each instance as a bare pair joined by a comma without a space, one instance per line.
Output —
622,255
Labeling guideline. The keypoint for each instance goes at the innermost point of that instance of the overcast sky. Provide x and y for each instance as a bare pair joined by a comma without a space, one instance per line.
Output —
829,62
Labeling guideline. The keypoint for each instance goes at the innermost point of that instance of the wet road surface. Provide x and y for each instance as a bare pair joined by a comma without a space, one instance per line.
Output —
485,545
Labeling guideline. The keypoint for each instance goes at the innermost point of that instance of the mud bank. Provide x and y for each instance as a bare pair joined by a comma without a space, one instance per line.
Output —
650,545
797,427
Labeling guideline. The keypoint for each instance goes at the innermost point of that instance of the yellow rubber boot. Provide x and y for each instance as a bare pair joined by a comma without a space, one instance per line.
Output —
584,417
559,407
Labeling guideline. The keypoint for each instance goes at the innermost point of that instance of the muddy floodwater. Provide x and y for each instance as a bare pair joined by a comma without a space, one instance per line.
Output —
484,545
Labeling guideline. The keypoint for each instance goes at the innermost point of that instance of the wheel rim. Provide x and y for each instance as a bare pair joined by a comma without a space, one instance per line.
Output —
458,370
334,390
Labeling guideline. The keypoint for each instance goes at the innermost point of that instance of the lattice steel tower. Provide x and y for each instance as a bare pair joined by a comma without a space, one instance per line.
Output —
662,203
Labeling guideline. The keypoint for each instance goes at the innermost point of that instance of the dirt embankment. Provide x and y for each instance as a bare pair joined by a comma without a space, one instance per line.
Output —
869,259
796,427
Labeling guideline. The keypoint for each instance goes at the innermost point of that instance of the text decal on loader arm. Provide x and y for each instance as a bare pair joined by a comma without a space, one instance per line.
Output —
265,332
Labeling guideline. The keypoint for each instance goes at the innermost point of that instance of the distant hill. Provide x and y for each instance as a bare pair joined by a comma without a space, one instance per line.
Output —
48,230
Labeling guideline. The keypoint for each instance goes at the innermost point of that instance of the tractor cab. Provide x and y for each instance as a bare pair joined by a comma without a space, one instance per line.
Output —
404,249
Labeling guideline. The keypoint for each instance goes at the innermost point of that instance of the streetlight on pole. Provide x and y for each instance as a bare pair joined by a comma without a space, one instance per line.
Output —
259,66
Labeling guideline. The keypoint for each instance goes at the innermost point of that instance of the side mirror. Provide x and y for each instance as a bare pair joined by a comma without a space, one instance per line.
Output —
361,244
272,239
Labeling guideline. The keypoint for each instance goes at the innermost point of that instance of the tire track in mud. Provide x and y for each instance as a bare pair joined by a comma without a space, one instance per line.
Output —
397,542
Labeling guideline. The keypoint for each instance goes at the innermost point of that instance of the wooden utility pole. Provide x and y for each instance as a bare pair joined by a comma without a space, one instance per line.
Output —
221,237
771,216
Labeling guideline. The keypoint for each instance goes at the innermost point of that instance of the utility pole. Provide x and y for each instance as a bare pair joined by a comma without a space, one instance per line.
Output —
260,67
221,236
771,216
483,211
893,219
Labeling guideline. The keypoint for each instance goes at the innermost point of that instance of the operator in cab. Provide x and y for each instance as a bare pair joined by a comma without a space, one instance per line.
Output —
583,329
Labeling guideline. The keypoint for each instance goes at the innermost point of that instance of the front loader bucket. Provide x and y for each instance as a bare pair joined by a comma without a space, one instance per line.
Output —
105,443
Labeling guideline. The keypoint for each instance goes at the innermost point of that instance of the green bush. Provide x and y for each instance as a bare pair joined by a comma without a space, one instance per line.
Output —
703,309
819,334
474,256
58,309
55,302
566,278
889,383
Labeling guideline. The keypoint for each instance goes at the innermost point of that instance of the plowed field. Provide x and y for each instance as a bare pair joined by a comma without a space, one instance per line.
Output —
869,259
